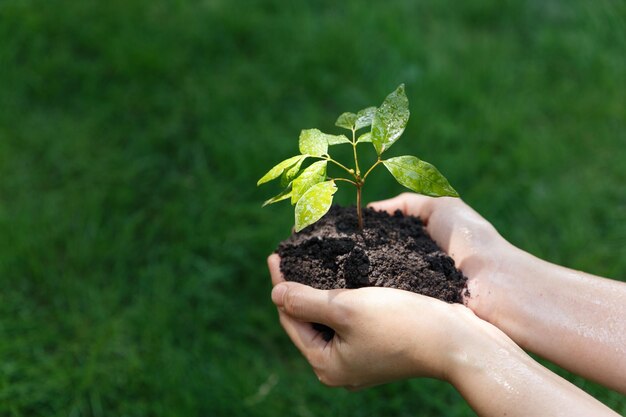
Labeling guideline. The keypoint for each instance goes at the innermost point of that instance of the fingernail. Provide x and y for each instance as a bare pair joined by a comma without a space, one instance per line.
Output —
278,293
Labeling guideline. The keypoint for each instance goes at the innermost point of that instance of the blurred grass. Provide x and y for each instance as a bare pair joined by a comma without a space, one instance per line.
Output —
132,242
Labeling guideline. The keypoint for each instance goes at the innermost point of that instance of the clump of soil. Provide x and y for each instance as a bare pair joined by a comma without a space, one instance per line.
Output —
391,251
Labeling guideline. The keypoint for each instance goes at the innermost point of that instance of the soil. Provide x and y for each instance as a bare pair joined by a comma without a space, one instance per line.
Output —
391,251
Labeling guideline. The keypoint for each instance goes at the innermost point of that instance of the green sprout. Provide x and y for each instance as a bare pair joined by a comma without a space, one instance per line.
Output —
312,191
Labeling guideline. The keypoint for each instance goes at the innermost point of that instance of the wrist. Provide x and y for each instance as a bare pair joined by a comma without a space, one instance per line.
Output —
496,377
434,354
481,348
462,342
493,279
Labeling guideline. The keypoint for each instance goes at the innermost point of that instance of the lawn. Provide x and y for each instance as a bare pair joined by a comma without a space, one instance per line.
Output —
132,133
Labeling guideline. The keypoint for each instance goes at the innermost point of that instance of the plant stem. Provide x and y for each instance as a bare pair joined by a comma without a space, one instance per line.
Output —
356,160
358,183
359,211
372,167
348,170
344,179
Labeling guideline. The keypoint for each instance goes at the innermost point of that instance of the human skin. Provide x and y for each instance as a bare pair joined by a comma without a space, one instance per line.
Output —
384,334
571,318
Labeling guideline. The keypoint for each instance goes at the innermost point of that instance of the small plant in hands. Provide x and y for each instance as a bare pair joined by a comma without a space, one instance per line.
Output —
392,250
312,191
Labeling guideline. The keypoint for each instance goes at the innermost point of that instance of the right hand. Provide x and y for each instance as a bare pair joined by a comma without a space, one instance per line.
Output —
474,244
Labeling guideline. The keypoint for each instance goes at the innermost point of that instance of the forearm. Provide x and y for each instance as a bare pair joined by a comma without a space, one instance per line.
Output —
575,320
497,378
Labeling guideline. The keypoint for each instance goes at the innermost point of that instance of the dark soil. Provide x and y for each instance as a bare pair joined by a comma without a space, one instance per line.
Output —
391,251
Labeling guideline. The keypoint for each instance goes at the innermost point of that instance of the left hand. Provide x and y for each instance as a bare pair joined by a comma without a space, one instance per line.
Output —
381,334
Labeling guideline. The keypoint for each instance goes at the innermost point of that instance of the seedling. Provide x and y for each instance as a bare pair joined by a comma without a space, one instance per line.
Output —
311,191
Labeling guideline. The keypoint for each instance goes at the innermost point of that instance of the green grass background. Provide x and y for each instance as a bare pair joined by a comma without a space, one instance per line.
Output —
132,133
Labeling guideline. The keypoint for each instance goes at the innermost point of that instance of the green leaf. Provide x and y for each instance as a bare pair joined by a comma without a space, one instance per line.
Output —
336,139
390,120
356,121
365,137
314,174
292,172
346,120
285,194
278,169
364,117
419,176
314,204
313,142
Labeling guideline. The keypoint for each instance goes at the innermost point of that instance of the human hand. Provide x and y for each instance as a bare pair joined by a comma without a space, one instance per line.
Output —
384,334
381,334
569,317
474,244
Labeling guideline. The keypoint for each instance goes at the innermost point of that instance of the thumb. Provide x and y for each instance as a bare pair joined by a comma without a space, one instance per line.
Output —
302,302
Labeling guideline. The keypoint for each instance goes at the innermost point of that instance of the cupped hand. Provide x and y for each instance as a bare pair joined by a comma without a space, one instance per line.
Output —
381,334
474,244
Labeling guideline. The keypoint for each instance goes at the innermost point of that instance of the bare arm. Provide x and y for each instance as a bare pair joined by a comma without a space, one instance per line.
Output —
372,345
497,378
574,319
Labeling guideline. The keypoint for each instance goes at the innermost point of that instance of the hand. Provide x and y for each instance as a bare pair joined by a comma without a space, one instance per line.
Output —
474,244
574,319
384,334
381,334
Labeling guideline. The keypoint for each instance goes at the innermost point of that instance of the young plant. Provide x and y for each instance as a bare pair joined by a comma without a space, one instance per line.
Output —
312,191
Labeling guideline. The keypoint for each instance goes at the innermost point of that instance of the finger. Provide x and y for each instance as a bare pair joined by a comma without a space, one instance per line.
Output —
308,340
409,204
273,263
304,303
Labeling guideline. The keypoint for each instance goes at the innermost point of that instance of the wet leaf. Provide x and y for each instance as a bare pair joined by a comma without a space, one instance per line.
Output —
292,172
419,176
346,120
313,142
285,194
364,117
311,191
314,204
390,120
314,174
365,137
336,139
279,168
